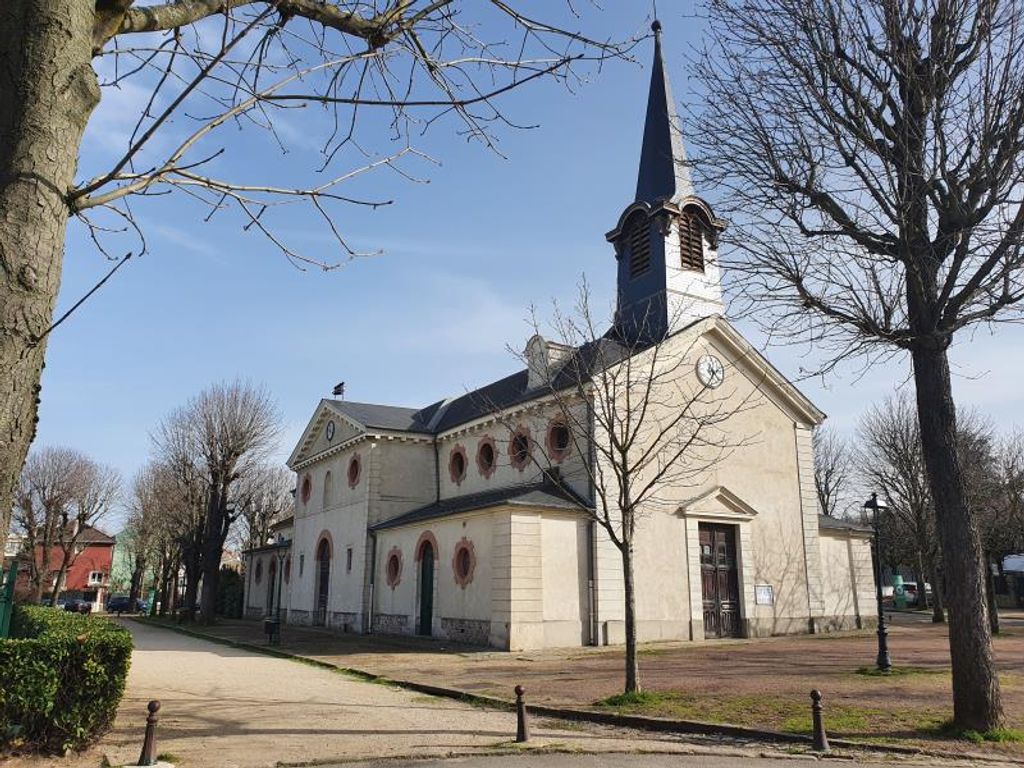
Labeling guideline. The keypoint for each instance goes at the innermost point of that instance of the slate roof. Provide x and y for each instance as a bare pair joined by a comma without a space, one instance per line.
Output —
382,416
546,494
512,390
90,535
838,524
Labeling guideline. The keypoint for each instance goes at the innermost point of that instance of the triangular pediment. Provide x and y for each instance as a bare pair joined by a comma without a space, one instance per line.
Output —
317,438
757,368
719,503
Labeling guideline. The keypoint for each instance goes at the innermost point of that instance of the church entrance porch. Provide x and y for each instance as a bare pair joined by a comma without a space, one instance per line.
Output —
719,581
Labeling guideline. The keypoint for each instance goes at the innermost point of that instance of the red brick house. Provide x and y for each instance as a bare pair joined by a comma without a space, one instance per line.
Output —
88,573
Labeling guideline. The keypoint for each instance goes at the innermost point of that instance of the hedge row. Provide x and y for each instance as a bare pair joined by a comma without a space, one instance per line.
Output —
63,675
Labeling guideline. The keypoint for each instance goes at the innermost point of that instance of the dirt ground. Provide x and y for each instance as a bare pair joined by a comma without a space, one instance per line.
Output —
762,683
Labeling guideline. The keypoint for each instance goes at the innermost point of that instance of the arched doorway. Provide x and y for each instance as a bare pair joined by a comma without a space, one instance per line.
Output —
323,581
271,584
426,623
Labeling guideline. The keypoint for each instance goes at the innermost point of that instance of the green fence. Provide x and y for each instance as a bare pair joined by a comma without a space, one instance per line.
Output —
7,599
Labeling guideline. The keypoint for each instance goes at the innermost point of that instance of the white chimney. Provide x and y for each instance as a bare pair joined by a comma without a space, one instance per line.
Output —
543,358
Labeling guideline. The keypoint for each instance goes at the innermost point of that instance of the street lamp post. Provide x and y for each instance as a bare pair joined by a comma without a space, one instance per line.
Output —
883,662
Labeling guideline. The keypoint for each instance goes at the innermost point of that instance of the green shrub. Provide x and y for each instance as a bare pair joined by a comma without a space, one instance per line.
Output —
63,678
229,594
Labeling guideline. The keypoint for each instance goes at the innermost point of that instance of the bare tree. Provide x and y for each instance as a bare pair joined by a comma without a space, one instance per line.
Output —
833,475
44,494
643,432
869,157
367,78
222,435
890,458
62,493
264,497
182,480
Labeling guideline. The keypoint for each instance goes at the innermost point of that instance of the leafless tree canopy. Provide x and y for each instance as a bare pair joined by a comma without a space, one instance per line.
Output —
870,153
212,446
363,79
339,88
62,492
264,497
833,471
871,157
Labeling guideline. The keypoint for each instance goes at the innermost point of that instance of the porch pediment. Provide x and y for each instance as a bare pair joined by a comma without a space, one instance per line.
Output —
314,439
718,503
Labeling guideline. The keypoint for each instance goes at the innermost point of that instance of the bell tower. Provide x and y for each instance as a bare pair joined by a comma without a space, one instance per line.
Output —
666,241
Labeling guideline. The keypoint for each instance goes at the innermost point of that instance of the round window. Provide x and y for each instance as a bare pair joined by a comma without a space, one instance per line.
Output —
559,440
486,458
393,567
355,468
519,449
464,562
457,464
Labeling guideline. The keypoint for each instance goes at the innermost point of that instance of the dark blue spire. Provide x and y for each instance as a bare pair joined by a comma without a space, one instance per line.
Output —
663,173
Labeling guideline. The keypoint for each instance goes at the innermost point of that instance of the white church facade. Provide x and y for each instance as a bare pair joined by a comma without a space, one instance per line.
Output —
469,519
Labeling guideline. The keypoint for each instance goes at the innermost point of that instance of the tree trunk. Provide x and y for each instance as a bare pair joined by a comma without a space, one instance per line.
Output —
632,663
138,577
48,90
990,595
922,593
192,574
213,547
977,703
938,602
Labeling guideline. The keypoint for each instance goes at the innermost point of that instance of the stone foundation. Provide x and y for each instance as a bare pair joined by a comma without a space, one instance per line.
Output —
345,621
470,631
391,624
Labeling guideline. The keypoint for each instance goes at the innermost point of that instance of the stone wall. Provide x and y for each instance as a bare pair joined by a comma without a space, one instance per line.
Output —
391,623
472,631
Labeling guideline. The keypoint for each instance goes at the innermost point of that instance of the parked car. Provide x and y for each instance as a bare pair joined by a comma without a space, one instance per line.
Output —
77,605
123,604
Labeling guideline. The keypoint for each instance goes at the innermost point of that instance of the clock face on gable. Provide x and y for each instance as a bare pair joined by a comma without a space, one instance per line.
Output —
329,431
710,371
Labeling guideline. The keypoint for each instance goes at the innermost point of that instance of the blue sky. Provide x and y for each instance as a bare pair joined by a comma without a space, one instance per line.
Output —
463,258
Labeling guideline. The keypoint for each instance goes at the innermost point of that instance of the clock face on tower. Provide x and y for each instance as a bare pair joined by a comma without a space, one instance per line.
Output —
329,432
710,371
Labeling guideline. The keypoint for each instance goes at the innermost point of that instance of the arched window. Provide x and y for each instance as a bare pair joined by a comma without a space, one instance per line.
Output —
691,242
307,488
328,490
638,240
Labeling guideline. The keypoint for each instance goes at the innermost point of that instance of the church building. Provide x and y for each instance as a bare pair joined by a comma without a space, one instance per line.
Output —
469,519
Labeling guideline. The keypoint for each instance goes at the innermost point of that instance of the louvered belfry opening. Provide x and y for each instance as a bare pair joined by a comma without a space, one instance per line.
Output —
691,243
639,239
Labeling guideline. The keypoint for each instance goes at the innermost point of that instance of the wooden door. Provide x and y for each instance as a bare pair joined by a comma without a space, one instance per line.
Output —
426,624
719,581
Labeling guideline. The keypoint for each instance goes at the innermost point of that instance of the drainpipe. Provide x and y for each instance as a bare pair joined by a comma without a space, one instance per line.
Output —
373,572
592,536
437,471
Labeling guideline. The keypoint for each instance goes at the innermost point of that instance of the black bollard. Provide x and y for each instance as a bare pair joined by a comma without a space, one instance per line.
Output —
820,743
148,756
522,729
